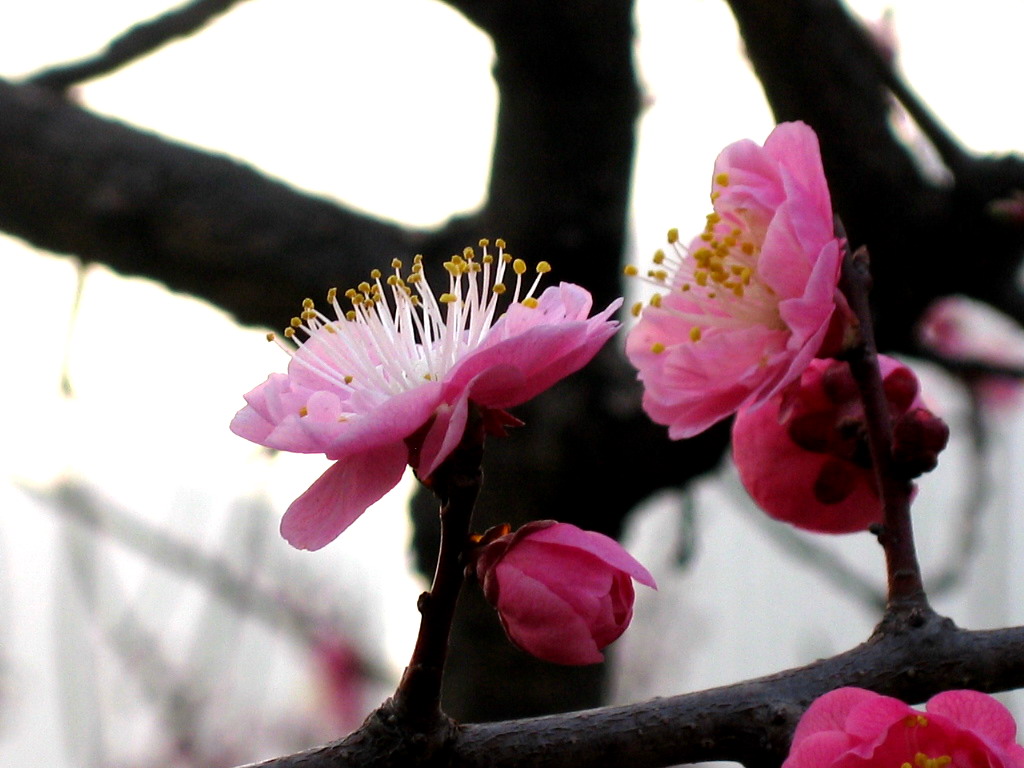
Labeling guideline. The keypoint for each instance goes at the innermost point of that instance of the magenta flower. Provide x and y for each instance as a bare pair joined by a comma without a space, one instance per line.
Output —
804,457
389,382
855,728
562,593
748,303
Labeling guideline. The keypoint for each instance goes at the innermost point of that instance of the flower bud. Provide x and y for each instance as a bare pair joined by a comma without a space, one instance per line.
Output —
562,593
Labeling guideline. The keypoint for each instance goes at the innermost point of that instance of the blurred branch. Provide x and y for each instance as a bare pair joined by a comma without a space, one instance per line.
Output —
274,605
75,183
138,41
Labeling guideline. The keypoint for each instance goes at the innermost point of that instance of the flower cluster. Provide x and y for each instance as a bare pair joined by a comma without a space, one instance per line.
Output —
855,728
747,304
389,381
818,435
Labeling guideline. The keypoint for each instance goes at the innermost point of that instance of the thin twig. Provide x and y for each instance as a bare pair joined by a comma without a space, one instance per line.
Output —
456,483
139,41
906,587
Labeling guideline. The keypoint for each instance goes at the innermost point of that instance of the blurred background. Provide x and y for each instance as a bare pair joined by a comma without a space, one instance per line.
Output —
150,614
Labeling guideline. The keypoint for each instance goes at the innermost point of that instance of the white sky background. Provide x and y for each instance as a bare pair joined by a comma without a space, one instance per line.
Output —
389,107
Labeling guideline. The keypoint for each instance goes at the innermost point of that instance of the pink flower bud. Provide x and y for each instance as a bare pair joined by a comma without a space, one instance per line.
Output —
853,726
804,456
561,593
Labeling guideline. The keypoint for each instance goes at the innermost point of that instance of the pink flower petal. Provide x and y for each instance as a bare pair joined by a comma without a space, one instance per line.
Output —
341,495
830,711
597,544
977,712
540,622
444,434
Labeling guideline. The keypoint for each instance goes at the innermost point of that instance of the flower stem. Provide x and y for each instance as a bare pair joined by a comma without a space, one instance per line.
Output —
905,586
456,484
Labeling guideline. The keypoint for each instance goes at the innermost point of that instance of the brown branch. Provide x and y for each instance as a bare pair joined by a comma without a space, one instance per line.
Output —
749,722
140,40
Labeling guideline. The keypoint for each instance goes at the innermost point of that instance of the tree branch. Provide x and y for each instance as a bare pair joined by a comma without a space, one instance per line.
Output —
72,182
141,40
750,722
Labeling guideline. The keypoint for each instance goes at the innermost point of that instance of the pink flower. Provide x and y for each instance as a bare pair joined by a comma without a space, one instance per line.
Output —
562,593
748,304
855,728
389,382
805,460
974,332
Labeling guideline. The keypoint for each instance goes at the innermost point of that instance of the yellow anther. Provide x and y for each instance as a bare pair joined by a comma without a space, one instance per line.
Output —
500,242
656,300
303,411
506,257
707,237
271,336
357,300
350,293
695,333
332,294
636,309
659,256
657,347
543,267
393,280
488,259
364,287
701,277
530,303
673,235
375,274
447,298
330,329
499,288
747,248
295,322
714,217
722,179
483,242
307,303
289,332
308,314
396,263
729,241
519,267
417,258
631,270
350,315
685,287
715,195
467,252
348,379
712,294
